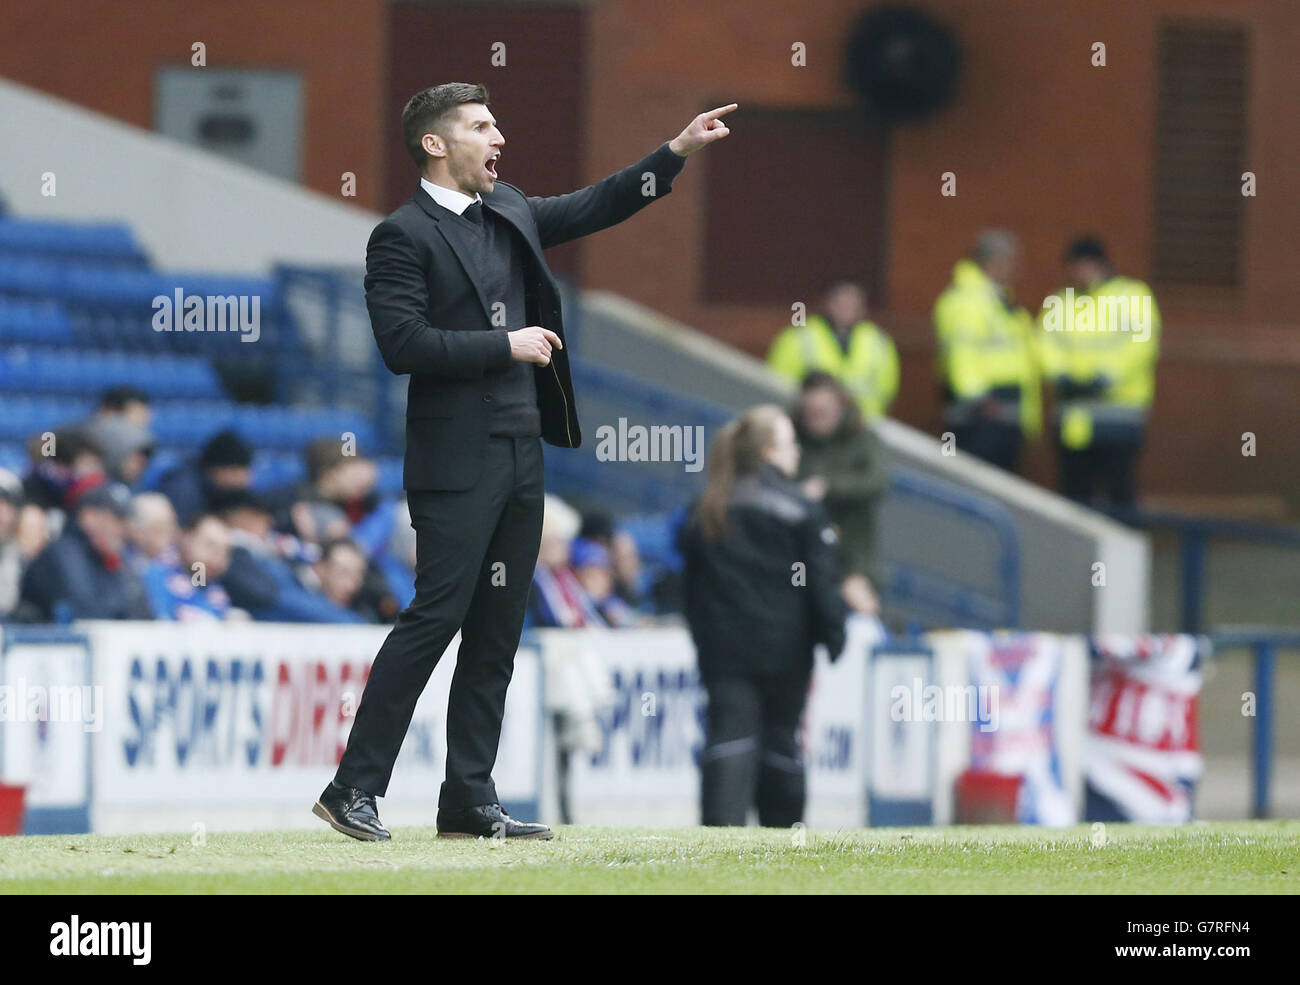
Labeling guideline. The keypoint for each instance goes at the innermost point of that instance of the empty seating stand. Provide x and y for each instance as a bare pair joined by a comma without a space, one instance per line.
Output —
104,243
40,322
46,370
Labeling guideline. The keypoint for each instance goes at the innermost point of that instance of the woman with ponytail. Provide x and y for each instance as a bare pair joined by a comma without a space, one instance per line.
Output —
762,588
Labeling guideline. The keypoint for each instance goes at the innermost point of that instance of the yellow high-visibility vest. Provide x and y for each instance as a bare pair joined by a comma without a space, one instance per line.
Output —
984,343
1111,330
869,368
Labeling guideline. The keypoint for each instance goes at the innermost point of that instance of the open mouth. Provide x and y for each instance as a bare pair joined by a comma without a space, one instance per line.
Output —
491,167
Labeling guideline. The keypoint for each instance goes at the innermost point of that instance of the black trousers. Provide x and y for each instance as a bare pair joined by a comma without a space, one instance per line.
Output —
475,554
1105,471
996,442
751,750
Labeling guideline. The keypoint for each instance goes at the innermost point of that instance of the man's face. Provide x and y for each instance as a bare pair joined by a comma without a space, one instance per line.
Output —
1082,274
207,544
231,477
133,466
597,580
821,411
471,148
138,413
104,528
1004,268
250,520
553,552
846,304
341,574
87,462
353,478
155,531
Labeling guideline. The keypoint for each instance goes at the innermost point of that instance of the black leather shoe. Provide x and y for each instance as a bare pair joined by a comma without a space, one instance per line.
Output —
351,811
486,821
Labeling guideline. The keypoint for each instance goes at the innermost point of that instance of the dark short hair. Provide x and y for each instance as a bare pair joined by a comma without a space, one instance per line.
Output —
223,502
819,379
70,444
1086,248
117,397
324,454
597,524
192,523
427,110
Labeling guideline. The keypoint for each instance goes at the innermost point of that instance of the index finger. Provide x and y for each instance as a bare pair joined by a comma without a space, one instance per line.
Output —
713,114
552,338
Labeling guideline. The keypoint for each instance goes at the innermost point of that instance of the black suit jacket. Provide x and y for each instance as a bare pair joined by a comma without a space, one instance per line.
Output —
432,320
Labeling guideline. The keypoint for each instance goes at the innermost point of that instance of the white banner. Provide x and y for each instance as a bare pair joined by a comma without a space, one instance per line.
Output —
243,724
48,714
902,743
646,770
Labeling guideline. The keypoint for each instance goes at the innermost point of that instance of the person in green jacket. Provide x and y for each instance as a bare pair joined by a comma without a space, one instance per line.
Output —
842,465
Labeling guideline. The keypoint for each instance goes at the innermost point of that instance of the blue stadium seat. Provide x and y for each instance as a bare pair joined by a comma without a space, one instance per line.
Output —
102,241
655,536
87,284
191,422
34,321
273,469
13,456
25,416
67,371
295,427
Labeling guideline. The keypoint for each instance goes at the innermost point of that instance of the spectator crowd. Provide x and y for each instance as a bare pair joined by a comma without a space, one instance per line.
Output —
96,529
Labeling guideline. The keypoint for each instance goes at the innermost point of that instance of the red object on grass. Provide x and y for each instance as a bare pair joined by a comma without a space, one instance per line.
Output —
984,797
11,810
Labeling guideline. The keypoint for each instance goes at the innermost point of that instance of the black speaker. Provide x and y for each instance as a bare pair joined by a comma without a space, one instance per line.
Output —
903,62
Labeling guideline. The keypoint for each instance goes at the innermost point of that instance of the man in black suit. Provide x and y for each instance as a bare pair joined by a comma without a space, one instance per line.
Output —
461,299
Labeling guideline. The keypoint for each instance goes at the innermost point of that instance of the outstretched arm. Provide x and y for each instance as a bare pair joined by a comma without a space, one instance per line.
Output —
561,218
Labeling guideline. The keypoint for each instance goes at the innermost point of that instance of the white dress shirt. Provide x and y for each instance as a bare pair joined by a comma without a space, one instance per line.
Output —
449,198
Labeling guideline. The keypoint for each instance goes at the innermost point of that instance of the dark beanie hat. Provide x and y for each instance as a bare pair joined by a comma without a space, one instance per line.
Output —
224,449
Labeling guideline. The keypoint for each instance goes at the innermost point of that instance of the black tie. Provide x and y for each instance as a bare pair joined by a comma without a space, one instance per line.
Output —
474,213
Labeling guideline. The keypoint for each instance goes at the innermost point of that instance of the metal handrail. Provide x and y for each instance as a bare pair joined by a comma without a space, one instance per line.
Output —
1263,642
1193,531
962,602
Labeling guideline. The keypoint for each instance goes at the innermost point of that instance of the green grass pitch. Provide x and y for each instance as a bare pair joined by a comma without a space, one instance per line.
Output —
1237,857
